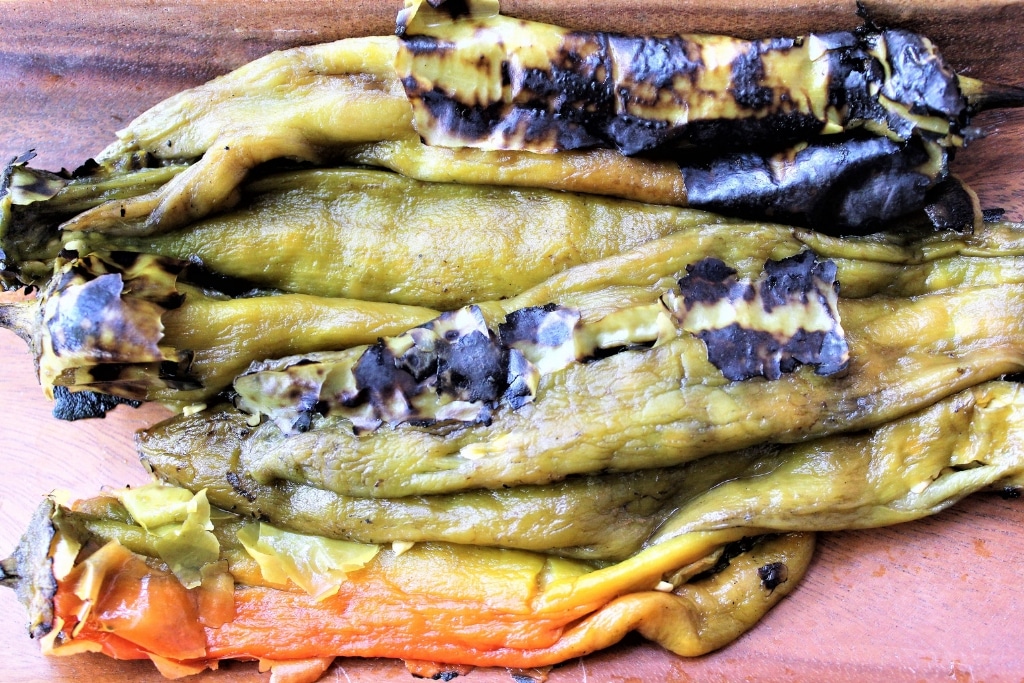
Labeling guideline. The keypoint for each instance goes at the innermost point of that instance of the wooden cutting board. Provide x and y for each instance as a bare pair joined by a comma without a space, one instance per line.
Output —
939,599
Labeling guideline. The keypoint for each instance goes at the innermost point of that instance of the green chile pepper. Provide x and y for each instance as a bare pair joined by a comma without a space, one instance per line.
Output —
379,236
321,102
199,342
655,407
874,479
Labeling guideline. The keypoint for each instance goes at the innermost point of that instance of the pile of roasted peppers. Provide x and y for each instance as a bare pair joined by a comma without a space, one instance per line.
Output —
492,341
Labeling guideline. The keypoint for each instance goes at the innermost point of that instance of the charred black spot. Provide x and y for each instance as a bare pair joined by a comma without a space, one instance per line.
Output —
951,206
454,8
424,45
123,259
525,325
656,62
518,392
729,552
1011,492
767,133
79,405
850,186
741,353
474,368
238,485
746,84
707,281
419,365
992,215
792,279
852,71
773,575
919,78
378,376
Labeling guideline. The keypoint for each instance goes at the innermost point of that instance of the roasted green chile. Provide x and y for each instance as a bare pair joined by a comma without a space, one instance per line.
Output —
652,407
379,236
211,338
479,79
888,95
874,479
455,369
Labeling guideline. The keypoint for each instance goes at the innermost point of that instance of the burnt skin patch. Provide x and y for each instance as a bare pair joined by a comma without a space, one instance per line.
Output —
101,326
788,317
843,186
773,575
81,405
747,85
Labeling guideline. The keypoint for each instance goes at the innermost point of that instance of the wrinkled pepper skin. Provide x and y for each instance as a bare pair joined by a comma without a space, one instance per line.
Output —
875,480
652,407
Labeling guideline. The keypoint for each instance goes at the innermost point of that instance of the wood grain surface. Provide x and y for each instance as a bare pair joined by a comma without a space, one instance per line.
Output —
939,599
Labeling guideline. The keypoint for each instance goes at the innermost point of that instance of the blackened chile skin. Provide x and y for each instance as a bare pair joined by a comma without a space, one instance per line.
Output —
852,186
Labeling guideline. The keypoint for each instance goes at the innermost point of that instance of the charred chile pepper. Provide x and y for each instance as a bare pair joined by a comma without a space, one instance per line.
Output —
510,608
875,480
122,324
363,97
195,349
600,416
476,78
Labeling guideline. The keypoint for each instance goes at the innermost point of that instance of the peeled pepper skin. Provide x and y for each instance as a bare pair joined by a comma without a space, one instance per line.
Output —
655,407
